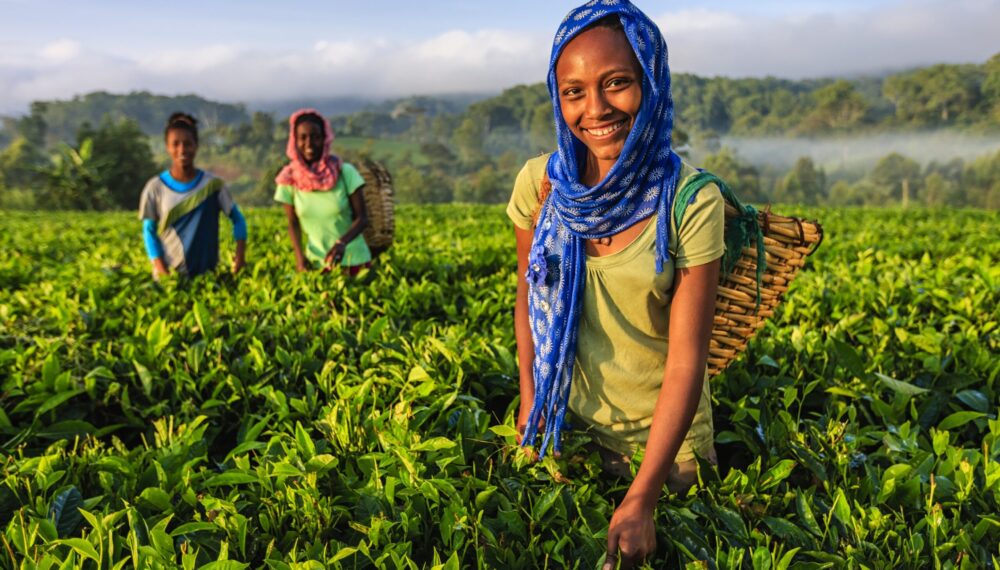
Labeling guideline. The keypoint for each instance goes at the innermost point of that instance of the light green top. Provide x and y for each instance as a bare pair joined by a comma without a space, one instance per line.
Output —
326,215
622,340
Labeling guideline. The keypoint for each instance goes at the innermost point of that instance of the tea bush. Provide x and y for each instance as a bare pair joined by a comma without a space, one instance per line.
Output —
288,420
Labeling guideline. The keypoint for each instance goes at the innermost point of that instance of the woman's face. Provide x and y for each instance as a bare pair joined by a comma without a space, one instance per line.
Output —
600,90
182,148
309,140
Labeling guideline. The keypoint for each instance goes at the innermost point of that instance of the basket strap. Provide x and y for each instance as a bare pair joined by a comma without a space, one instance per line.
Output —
741,230
544,189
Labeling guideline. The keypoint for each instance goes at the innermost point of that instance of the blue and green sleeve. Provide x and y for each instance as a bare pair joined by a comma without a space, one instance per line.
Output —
154,248
239,223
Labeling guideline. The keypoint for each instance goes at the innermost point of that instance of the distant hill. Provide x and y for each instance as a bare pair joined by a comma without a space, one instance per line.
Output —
338,106
64,118
329,106
957,97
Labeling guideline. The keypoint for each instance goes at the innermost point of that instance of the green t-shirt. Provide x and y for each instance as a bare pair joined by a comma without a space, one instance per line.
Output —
326,215
622,339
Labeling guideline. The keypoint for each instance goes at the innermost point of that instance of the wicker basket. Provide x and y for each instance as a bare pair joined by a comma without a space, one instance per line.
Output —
379,203
787,242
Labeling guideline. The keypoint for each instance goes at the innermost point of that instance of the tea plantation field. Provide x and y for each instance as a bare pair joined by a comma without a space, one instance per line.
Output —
279,420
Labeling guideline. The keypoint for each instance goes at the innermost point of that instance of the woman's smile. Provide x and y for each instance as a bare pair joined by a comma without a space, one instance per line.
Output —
604,131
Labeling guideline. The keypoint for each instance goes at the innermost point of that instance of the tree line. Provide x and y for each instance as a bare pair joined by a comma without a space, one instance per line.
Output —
96,151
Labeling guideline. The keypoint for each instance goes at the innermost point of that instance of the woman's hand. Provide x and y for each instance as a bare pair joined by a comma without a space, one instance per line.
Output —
159,268
336,254
522,420
631,533
522,424
240,258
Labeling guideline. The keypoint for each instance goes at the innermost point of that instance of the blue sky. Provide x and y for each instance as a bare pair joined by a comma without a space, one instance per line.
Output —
260,51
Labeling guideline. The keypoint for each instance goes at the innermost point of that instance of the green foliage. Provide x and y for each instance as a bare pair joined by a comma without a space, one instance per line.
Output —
34,127
742,177
839,108
457,148
19,164
74,181
804,184
64,118
940,95
421,186
126,161
485,186
288,420
897,179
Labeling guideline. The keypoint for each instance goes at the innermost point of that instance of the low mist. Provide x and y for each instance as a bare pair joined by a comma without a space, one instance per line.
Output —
860,152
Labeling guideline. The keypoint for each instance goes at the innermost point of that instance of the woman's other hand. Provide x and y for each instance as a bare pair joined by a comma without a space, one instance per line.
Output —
631,533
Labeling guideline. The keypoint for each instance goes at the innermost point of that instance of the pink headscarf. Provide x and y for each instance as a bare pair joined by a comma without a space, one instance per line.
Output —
323,174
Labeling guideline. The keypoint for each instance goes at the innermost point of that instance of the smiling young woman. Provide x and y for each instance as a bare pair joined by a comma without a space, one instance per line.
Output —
321,195
180,208
614,301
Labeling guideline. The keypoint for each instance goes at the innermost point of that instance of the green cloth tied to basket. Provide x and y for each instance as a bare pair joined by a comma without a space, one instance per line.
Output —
740,229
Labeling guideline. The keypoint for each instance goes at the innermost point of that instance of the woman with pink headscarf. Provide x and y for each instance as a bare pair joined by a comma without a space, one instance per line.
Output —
320,195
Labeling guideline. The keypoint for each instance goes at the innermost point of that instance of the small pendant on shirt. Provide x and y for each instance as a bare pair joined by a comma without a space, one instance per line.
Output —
602,241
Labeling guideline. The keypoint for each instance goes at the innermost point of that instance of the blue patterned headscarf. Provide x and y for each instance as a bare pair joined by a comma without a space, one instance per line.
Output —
641,183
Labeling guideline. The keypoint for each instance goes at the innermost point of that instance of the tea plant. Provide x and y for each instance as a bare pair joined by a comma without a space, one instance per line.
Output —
287,420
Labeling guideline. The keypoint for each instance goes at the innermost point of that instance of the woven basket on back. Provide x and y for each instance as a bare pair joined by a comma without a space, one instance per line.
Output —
379,203
787,242
747,293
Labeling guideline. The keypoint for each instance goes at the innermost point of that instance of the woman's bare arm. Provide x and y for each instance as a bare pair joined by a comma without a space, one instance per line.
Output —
631,530
359,217
295,233
522,329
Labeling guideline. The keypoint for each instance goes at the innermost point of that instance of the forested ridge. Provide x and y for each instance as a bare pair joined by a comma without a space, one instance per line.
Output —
94,150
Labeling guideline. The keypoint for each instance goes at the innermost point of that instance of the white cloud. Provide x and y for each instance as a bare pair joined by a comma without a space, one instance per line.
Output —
454,61
826,42
821,41
60,50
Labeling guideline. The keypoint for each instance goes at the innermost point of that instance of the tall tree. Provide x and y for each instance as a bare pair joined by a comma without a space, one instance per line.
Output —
991,87
19,164
34,127
262,130
74,181
936,96
542,131
741,176
123,157
838,108
804,184
897,179
487,186
469,138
